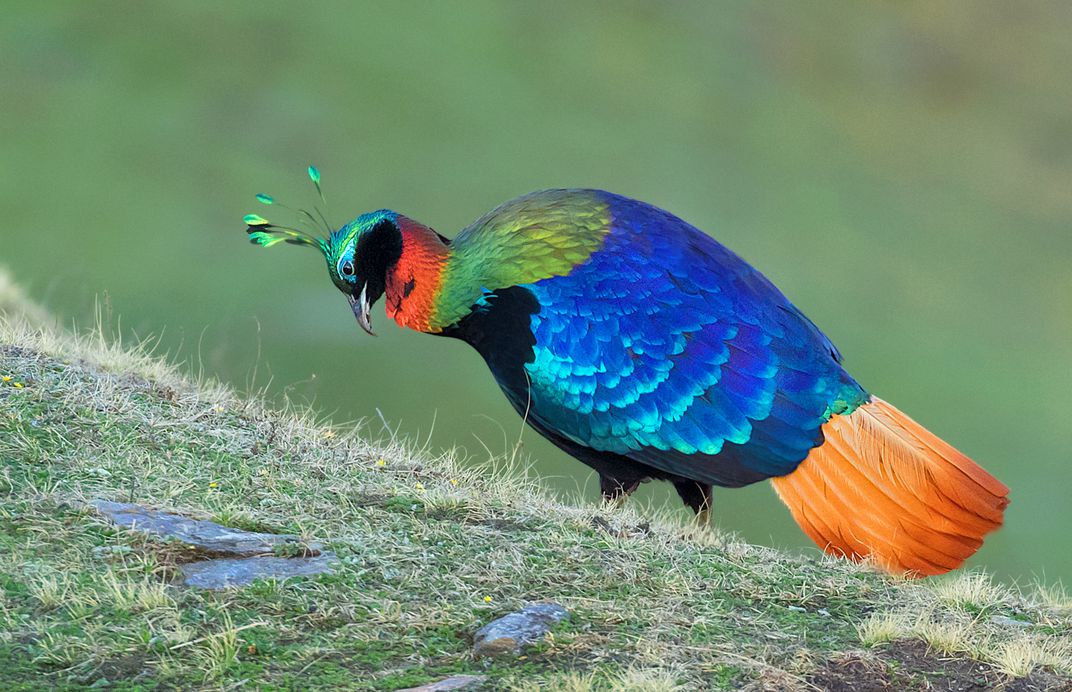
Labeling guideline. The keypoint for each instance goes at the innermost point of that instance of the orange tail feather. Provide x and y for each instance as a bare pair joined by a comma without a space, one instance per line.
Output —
881,486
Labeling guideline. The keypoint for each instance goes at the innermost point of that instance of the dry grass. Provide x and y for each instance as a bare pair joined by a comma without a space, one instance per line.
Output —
15,305
883,627
969,589
430,548
629,680
1054,597
51,591
954,617
135,595
1022,655
945,636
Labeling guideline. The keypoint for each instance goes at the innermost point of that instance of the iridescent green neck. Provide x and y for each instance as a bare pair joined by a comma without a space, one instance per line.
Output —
525,240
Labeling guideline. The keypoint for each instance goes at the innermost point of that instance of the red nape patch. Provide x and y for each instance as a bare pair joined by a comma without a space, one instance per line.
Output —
412,284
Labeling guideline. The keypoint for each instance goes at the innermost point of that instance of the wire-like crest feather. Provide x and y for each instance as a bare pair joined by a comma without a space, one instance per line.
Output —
266,234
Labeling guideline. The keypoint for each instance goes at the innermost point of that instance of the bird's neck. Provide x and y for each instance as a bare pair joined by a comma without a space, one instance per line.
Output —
414,283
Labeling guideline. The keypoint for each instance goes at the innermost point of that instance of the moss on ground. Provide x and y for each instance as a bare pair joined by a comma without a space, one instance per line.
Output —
430,549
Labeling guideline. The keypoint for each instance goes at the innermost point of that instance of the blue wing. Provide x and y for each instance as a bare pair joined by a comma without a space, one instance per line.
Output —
667,348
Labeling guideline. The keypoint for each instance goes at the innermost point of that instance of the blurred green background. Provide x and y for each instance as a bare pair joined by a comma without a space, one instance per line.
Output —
902,171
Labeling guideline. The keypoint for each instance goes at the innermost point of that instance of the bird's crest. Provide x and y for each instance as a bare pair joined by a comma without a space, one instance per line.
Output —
266,234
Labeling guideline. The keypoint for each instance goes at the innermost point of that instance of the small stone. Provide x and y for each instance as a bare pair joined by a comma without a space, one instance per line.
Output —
509,634
206,536
454,682
1006,621
225,572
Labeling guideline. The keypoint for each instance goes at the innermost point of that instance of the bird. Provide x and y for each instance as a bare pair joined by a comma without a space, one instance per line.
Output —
644,348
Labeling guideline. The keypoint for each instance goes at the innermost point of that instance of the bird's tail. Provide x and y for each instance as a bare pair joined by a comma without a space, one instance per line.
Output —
882,487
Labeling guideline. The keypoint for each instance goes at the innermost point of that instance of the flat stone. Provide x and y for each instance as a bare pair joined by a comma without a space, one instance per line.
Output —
511,633
206,536
1006,621
455,682
227,572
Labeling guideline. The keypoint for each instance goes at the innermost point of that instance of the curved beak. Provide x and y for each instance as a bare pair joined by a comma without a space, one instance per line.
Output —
361,308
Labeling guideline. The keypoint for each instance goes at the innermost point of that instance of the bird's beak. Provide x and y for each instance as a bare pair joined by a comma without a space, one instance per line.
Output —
361,308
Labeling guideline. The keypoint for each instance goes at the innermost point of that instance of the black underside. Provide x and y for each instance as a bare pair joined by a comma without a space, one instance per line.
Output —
499,329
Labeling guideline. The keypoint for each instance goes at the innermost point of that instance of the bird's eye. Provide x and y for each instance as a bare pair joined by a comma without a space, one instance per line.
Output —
347,268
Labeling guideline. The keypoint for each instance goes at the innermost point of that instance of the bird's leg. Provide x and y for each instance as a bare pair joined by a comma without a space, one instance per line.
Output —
697,496
615,491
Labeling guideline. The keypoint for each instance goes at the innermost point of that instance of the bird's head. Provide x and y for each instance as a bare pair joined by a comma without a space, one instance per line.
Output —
376,253
360,256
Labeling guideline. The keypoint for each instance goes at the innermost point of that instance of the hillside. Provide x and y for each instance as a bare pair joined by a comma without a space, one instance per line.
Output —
428,550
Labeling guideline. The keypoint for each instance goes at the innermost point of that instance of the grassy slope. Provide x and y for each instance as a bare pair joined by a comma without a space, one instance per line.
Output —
430,550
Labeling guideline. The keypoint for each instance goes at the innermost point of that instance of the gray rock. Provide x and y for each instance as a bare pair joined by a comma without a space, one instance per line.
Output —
206,536
224,572
454,682
511,633
1006,621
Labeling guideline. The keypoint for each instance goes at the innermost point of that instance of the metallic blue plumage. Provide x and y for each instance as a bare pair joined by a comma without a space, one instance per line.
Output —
668,349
